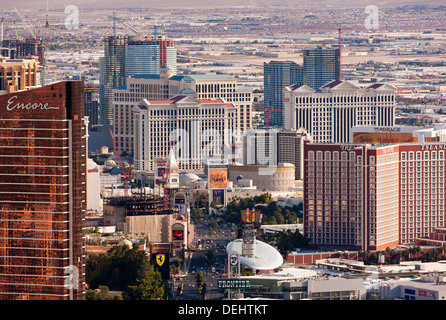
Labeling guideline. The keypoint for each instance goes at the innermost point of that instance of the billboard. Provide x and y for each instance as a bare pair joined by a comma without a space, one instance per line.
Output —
180,203
218,178
160,169
177,235
218,197
383,137
178,232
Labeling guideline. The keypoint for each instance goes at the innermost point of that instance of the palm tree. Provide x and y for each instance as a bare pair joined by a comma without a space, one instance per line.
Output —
413,251
199,278
406,254
202,290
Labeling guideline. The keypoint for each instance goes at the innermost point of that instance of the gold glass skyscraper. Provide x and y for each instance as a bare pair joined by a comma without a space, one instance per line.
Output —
42,193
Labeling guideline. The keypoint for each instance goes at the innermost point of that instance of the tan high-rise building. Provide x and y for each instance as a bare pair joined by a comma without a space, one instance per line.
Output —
274,146
165,86
330,114
197,130
17,74
226,87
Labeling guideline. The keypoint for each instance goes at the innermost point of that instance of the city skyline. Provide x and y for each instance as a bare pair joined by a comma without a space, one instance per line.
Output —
222,151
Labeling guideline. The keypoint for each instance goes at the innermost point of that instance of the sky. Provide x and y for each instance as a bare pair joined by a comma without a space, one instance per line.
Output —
60,4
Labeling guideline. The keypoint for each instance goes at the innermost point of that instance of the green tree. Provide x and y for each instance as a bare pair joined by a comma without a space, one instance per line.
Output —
101,293
288,240
125,269
199,278
196,214
144,290
202,290
210,256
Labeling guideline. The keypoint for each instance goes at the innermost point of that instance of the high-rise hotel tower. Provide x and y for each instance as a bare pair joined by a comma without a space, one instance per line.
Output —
329,115
126,56
321,66
42,193
370,196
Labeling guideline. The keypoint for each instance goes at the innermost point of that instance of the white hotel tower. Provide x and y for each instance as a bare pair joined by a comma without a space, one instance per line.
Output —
196,129
330,114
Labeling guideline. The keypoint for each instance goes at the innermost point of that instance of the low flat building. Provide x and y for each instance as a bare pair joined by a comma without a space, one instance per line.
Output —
298,283
264,177
147,216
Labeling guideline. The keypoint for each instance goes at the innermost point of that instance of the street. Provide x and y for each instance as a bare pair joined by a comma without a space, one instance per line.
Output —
197,260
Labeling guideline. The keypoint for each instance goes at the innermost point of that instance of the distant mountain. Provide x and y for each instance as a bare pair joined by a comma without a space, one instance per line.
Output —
81,4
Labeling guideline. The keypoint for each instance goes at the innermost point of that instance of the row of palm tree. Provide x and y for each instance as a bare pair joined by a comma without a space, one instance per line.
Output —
395,256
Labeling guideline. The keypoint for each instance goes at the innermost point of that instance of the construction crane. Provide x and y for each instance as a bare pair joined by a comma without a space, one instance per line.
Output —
339,47
340,28
119,20
37,39
129,27
47,25
125,173
266,111
29,29
166,195
26,26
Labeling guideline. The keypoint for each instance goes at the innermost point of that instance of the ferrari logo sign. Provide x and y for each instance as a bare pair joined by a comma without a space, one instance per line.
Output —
160,258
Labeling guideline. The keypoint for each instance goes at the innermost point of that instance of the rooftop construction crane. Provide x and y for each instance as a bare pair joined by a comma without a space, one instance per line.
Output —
166,194
339,47
125,173
340,28
266,111
125,24
129,26
37,39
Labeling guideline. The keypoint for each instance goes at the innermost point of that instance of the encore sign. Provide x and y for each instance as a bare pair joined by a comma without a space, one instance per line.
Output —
27,106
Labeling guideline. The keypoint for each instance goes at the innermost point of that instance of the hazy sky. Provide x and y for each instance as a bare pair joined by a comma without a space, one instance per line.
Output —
60,4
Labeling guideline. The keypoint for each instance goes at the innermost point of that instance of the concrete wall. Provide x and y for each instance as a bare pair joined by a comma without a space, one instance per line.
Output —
157,227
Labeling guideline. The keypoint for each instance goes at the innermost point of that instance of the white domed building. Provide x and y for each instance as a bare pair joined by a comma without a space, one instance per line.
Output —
187,179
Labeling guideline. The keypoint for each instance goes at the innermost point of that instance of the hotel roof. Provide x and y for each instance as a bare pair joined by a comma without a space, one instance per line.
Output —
332,84
145,76
179,98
